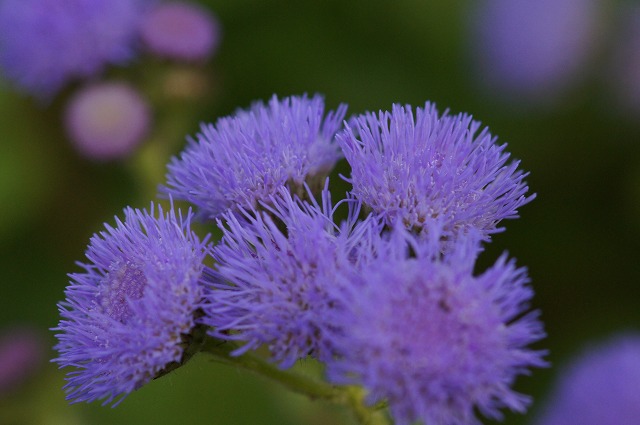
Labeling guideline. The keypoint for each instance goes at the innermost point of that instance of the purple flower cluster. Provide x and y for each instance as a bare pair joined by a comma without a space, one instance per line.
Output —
377,297
272,275
246,158
431,338
432,167
128,315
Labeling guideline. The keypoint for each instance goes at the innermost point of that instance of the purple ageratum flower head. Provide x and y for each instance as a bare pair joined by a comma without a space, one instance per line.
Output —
432,168
536,48
430,338
46,43
107,120
180,31
600,387
273,269
247,157
127,316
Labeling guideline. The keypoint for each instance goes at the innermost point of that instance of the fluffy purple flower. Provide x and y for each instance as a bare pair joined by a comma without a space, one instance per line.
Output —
46,43
127,317
107,120
600,387
180,31
247,157
432,168
433,340
534,48
272,273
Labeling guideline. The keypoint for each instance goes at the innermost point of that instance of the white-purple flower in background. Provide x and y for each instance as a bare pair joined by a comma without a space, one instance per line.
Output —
44,44
180,31
601,386
533,50
107,120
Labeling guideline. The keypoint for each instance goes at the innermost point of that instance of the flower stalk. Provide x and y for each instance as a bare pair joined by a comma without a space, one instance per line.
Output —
350,396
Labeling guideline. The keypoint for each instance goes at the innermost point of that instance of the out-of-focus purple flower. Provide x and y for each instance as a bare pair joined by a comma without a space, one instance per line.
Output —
535,48
272,274
107,120
432,168
247,157
180,31
600,387
625,68
46,43
127,317
434,341
21,353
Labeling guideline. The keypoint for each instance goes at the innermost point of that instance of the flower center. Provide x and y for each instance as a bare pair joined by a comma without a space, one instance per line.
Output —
124,283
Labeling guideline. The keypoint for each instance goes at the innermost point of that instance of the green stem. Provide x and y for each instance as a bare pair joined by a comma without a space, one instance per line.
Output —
353,397
301,384
366,415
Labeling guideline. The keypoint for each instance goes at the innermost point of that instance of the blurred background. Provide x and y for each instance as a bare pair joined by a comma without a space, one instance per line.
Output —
559,82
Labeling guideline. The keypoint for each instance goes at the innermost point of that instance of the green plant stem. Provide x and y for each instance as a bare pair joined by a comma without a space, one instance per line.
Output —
353,397
367,415
308,386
